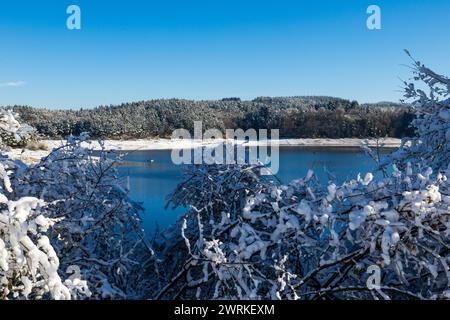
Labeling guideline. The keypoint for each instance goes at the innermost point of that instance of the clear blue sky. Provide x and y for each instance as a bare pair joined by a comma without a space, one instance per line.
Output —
136,50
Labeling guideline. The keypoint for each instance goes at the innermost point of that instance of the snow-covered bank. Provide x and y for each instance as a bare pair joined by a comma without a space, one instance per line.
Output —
30,156
169,144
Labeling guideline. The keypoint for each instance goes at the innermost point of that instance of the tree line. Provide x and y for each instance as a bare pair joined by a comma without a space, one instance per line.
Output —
296,117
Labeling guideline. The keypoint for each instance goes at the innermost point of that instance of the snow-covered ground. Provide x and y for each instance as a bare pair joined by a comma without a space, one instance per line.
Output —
29,156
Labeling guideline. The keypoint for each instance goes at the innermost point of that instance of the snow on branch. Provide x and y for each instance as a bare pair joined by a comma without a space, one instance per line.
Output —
253,238
94,241
12,132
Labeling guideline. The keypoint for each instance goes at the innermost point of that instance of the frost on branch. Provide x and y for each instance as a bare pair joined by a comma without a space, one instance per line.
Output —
252,238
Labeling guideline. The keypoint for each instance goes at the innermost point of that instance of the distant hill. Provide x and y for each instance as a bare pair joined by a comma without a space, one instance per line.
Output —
304,116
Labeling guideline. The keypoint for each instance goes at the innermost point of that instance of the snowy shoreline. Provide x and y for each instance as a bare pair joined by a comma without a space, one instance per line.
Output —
30,156
170,144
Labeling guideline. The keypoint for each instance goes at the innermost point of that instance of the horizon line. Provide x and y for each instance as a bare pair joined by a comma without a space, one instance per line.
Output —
223,99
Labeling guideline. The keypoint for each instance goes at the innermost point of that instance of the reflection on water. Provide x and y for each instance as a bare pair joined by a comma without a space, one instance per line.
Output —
151,175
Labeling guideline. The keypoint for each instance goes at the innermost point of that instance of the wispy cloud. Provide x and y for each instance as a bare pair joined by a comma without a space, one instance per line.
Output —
12,84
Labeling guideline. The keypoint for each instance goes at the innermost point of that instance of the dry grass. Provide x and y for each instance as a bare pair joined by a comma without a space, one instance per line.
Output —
37,145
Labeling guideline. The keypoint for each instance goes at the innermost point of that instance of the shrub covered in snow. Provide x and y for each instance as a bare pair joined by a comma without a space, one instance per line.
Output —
12,132
92,230
28,262
248,237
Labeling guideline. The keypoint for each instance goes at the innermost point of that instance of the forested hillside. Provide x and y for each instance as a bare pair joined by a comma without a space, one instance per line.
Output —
296,117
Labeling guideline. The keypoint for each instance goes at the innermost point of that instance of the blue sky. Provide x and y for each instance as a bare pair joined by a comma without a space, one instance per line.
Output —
137,50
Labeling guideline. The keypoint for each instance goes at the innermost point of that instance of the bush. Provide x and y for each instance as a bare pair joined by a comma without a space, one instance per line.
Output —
13,133
92,231
246,237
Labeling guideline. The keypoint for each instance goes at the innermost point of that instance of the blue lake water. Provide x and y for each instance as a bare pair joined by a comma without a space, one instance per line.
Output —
151,175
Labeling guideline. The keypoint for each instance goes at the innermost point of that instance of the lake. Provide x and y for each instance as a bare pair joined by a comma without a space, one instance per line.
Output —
151,175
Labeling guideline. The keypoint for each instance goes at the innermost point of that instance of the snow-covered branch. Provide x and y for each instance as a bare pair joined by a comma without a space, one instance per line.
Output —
12,132
95,234
253,238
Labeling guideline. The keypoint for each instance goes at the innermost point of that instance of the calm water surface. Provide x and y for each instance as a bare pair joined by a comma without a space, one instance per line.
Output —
151,175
